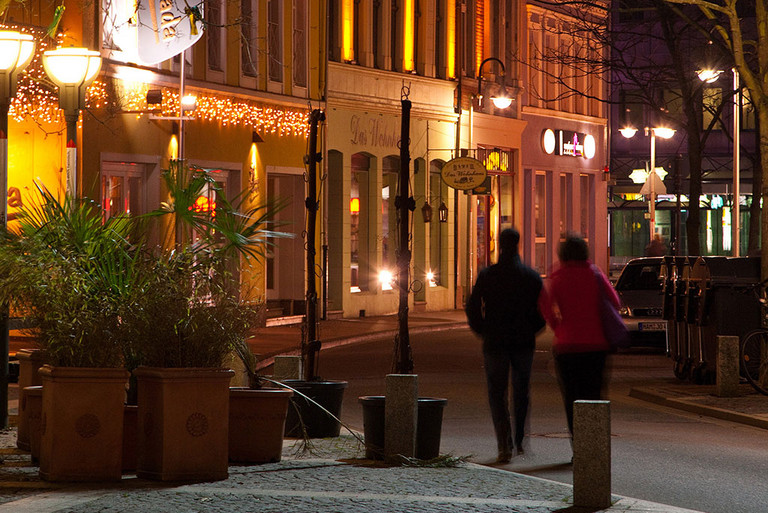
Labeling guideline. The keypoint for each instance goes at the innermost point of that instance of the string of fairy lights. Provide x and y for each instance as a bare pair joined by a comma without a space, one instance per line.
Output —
37,98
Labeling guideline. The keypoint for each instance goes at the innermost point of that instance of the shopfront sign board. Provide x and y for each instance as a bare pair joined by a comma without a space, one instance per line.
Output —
464,173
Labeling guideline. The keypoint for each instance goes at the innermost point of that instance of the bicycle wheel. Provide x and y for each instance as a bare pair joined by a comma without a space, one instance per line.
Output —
754,359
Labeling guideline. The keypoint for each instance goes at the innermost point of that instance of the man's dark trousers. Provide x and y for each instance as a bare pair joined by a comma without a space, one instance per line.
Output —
499,361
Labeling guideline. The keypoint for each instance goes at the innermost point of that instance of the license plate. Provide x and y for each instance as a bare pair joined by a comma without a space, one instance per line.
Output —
653,326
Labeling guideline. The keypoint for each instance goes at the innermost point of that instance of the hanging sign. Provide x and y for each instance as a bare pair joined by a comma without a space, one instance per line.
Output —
464,173
166,28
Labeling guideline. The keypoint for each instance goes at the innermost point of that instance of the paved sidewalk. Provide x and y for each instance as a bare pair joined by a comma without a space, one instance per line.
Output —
334,477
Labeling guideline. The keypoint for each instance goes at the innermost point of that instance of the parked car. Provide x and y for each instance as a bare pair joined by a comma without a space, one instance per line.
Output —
640,289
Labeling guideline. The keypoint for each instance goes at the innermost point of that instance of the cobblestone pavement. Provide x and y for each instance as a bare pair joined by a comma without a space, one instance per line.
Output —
330,476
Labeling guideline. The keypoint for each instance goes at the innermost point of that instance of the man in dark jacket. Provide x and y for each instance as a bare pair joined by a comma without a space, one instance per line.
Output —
503,309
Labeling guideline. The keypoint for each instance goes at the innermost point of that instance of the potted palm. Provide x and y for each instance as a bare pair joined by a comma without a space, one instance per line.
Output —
61,267
196,318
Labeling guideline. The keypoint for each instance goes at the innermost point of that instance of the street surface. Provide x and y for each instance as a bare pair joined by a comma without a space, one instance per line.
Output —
659,454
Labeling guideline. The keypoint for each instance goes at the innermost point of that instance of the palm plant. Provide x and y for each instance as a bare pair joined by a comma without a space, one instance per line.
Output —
66,271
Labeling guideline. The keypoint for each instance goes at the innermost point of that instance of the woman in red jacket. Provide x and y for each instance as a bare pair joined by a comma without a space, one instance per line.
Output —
570,302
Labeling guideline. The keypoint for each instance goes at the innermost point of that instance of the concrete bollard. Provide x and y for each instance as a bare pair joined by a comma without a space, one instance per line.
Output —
287,367
400,416
592,454
727,383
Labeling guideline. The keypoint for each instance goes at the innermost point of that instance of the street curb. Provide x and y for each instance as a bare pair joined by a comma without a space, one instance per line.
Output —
652,396
269,358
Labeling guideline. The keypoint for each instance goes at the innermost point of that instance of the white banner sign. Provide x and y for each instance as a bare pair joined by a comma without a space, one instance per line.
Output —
165,29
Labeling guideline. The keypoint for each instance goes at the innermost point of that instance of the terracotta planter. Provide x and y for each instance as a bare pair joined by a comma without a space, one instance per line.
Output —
82,423
183,421
30,360
130,436
32,403
257,424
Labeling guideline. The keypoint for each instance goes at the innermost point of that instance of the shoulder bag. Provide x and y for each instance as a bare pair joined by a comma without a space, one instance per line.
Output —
614,329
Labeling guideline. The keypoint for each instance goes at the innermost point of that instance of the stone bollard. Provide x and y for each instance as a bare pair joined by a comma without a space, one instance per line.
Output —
727,383
287,367
400,416
592,454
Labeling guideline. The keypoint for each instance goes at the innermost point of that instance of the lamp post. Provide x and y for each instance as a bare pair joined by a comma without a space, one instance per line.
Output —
709,76
73,70
502,100
16,51
664,133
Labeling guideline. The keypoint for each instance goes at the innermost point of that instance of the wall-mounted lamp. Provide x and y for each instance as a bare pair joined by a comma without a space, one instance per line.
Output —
154,97
442,213
189,103
426,212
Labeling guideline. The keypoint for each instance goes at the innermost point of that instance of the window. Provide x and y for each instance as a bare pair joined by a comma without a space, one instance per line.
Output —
377,36
540,221
438,232
275,40
122,189
389,215
711,98
396,24
214,25
300,43
585,202
249,28
440,39
359,232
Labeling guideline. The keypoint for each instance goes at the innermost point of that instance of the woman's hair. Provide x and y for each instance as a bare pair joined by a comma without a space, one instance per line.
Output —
573,248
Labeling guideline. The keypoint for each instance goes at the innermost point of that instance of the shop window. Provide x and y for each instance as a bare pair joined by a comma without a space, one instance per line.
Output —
359,232
585,204
540,221
438,231
389,217
122,189
566,204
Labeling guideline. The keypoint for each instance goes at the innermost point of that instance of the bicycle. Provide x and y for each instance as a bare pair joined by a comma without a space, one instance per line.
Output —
753,350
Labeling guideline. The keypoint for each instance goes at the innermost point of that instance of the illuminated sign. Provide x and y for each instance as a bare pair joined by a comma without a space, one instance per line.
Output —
567,143
166,28
463,173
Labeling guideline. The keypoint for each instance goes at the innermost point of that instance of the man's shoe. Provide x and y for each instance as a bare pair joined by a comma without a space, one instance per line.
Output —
504,457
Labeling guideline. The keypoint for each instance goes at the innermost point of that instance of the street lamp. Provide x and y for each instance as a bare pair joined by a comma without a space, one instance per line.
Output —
73,70
664,133
502,100
709,76
16,51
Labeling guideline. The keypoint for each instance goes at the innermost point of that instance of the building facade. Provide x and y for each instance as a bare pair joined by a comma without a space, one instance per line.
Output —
257,71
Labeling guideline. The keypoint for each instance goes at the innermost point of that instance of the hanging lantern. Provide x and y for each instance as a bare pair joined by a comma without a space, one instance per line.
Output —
442,213
426,212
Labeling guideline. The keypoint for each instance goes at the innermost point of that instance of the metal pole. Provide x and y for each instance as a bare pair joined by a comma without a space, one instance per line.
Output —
4,344
735,218
311,346
71,135
182,72
404,203
652,196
